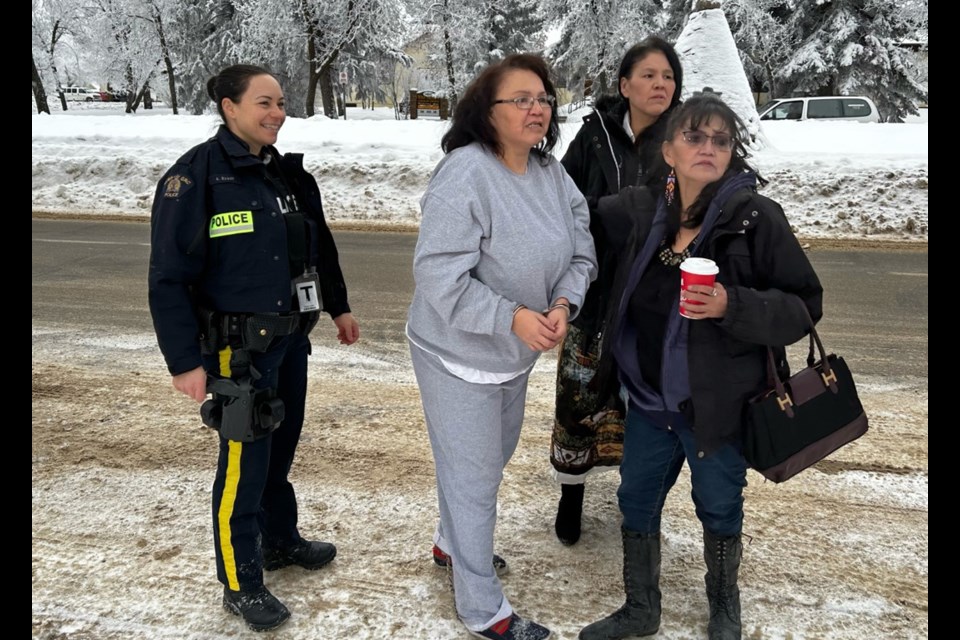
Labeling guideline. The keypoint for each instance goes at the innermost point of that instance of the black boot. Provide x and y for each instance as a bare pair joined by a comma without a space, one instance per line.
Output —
569,511
722,556
307,554
258,608
640,615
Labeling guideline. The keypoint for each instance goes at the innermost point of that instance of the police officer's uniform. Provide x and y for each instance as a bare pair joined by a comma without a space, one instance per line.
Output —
233,239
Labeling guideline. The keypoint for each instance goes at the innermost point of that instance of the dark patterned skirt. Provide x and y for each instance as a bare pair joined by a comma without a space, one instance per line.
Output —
585,435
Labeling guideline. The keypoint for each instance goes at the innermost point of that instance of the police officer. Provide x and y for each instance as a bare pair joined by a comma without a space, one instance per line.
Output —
241,265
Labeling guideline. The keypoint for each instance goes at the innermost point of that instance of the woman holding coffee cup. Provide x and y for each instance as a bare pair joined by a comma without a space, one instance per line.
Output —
686,377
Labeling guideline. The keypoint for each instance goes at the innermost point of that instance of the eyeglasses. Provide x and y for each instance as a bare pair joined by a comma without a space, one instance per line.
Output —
526,102
721,141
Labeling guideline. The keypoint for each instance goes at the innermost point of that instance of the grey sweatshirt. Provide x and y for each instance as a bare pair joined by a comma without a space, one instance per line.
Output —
489,240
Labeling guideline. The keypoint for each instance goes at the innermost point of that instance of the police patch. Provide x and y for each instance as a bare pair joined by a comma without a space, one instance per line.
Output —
174,186
231,223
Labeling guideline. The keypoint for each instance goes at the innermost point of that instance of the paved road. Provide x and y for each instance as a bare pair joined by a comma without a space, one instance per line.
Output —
92,273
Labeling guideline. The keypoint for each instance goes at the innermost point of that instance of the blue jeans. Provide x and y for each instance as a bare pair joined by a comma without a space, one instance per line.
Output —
652,458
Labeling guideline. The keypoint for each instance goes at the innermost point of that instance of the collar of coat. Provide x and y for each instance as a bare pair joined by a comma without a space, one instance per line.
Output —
238,152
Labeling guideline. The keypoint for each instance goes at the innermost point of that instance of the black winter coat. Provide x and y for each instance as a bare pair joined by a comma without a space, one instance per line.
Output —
246,271
601,160
766,275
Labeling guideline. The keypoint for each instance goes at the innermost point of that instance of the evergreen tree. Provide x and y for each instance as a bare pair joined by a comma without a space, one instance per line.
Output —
594,34
670,16
515,26
851,47
763,39
201,34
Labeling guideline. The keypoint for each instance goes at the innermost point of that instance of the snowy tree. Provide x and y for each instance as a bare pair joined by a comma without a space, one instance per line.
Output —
372,77
464,36
372,71
136,42
914,14
39,93
201,34
304,41
370,62
851,47
273,34
589,51
457,33
469,34
710,59
763,38
54,22
670,17
594,35
124,40
515,26
791,46
159,14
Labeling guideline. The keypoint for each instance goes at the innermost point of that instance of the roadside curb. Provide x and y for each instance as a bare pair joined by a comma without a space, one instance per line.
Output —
808,242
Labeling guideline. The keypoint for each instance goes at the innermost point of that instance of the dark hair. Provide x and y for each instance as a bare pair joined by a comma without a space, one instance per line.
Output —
471,121
693,112
232,83
641,50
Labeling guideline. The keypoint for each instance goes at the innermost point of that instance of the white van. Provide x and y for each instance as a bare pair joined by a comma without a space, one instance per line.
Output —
80,94
849,108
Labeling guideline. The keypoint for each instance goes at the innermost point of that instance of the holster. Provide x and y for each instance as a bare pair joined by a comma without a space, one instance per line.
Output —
308,321
239,411
210,334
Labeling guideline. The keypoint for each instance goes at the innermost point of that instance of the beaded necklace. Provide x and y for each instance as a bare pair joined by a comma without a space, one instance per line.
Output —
670,259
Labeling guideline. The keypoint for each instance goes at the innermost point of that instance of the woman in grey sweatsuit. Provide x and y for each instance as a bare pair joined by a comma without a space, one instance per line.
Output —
502,263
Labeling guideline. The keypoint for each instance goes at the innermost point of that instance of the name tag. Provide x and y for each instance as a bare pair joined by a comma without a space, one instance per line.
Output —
230,223
307,288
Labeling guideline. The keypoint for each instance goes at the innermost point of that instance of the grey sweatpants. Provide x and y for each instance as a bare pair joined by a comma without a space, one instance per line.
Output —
474,429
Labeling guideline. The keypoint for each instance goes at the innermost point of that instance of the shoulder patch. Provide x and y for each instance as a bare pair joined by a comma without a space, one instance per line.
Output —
176,185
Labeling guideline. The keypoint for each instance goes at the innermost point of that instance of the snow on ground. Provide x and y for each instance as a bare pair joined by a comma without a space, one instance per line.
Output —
833,179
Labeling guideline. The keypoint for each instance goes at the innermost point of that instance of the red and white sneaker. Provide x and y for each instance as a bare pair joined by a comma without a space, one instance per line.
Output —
514,628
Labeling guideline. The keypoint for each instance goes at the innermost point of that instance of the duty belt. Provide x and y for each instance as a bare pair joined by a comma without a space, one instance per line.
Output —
263,325
255,330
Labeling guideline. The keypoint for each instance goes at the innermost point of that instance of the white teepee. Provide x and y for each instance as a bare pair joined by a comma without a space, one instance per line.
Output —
710,59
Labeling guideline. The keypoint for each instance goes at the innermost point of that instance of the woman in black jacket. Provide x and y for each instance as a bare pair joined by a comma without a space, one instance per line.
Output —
617,146
686,381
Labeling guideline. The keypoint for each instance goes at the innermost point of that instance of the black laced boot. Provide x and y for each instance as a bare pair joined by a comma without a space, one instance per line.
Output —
306,553
640,614
569,512
259,608
722,556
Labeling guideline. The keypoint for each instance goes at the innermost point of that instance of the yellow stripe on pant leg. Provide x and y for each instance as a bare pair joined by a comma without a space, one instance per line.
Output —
225,354
227,501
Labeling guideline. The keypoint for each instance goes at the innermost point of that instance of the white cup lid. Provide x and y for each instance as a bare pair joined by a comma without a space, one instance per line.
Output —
701,266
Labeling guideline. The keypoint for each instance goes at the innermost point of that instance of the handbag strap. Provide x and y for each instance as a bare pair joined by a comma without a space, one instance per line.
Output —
827,375
783,399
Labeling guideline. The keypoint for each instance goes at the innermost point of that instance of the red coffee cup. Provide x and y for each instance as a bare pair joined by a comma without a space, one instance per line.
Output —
696,271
